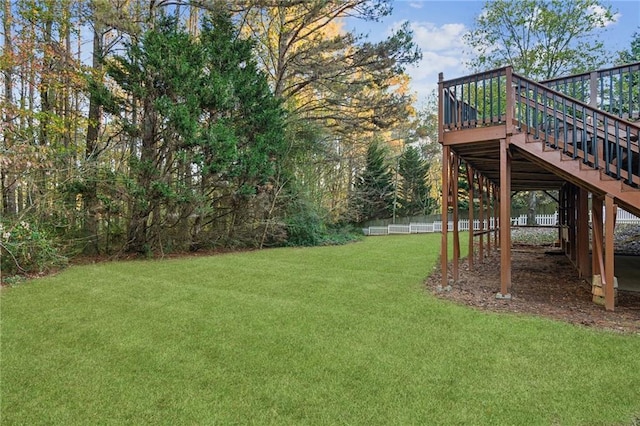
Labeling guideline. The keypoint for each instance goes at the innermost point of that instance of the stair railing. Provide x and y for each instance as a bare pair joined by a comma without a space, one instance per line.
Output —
615,90
598,138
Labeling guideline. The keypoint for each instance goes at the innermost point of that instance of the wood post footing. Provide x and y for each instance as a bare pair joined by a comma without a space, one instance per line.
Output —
598,290
500,296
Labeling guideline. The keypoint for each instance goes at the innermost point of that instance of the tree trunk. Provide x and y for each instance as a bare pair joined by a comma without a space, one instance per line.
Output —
91,203
143,204
7,181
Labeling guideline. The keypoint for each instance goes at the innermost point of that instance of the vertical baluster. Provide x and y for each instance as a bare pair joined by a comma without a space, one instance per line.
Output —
535,113
595,139
618,152
607,149
630,95
476,103
629,155
454,100
611,97
564,121
601,92
585,135
499,99
527,112
636,83
484,100
545,118
556,122
491,97
620,95
463,109
574,142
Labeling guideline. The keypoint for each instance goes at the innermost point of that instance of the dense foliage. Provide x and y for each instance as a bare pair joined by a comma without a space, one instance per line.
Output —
374,188
149,127
413,191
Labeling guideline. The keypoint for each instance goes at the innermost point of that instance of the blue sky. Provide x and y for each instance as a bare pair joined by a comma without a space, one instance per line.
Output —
439,25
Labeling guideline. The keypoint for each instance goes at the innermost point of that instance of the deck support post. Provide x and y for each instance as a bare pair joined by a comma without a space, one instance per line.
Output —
603,280
489,207
471,254
505,220
481,218
562,217
444,260
455,169
609,284
596,219
582,242
572,205
496,215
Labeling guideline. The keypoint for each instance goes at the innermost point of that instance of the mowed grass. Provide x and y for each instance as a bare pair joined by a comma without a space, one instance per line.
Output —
330,335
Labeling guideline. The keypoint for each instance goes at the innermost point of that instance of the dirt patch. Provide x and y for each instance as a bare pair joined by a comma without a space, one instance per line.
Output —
543,283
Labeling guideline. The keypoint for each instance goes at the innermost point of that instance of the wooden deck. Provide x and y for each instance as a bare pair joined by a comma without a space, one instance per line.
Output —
506,133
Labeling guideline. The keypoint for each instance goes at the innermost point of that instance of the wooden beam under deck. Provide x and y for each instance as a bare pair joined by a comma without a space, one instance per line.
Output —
608,276
455,169
489,133
582,242
471,254
502,156
444,250
505,218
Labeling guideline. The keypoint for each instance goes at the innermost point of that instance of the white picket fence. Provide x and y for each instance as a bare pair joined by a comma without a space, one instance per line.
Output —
490,223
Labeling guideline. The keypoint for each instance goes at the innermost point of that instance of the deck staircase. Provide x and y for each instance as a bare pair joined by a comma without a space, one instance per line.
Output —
580,128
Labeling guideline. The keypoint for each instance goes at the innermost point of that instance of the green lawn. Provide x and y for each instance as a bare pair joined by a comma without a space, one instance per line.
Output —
330,335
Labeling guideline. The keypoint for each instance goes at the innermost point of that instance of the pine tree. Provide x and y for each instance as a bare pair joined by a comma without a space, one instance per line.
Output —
374,188
413,191
210,131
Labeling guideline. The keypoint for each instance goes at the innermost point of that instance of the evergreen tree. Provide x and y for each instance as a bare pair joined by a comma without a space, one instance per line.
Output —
413,191
374,188
211,132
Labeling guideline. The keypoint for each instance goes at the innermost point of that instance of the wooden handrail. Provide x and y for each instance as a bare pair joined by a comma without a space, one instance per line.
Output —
573,77
579,103
460,80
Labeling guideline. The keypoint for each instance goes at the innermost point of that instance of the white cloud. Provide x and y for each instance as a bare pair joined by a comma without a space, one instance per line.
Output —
600,12
442,51
437,38
415,5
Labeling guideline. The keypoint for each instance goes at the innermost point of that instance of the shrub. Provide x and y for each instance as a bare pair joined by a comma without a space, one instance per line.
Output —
27,249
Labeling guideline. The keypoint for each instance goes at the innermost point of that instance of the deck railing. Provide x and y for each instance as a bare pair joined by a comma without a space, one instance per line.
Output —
475,100
599,138
614,90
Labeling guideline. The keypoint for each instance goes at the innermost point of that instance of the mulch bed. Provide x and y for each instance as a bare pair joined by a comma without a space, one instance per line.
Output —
544,283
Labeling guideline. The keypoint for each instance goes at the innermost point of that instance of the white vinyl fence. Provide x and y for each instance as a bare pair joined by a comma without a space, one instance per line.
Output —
463,224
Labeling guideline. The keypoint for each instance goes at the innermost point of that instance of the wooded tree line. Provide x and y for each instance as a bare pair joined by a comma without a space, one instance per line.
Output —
165,125
154,126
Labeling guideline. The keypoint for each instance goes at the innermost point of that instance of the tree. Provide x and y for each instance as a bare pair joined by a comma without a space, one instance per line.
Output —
541,39
323,72
374,187
333,81
632,54
630,83
210,131
413,191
